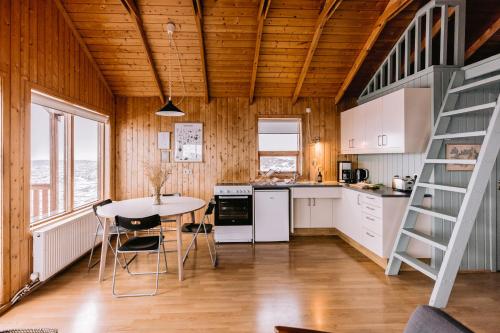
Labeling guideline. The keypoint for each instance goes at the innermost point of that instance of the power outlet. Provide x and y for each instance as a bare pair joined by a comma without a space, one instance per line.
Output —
187,171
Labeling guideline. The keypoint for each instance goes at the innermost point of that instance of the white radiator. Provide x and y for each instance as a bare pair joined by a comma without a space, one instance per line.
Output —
58,245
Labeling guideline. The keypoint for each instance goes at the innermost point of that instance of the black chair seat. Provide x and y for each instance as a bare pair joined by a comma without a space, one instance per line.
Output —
192,227
147,243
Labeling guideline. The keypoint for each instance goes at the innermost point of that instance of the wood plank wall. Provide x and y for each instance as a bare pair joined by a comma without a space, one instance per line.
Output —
37,51
230,151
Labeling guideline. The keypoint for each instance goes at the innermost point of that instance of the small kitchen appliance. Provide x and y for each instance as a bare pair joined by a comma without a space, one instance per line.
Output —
361,175
344,171
233,213
403,184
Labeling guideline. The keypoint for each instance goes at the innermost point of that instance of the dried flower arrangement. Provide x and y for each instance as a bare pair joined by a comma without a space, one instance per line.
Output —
158,175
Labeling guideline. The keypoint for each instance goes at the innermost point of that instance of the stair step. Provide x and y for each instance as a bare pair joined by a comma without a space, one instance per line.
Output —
449,161
475,85
468,109
459,135
443,187
433,213
417,264
420,236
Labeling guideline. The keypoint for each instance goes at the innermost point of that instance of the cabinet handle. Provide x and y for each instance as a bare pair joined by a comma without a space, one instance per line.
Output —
372,236
352,143
384,136
314,202
378,140
371,198
369,218
309,202
358,201
368,207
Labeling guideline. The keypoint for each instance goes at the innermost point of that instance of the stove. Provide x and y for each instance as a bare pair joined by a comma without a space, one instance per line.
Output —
233,213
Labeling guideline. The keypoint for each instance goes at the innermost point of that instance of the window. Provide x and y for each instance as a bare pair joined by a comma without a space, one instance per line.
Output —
66,158
279,144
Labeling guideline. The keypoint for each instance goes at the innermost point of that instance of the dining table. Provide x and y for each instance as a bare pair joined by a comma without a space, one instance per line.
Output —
171,207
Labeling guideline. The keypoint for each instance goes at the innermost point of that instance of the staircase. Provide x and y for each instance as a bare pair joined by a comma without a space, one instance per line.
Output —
472,194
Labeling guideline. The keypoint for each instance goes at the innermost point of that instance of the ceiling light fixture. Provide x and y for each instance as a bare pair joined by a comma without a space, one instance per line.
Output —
169,109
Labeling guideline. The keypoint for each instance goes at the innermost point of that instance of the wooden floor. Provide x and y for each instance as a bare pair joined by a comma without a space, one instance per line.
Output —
319,283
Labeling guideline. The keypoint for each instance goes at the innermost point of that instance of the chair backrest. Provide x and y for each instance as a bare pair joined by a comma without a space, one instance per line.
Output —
429,319
100,204
177,194
210,208
137,224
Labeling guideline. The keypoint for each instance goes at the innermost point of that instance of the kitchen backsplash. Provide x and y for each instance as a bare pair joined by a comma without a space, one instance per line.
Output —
383,167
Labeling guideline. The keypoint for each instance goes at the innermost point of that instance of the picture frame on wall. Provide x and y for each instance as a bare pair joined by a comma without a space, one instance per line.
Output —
188,142
163,140
461,152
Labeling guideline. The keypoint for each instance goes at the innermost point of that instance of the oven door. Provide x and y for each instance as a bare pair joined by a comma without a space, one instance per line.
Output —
233,210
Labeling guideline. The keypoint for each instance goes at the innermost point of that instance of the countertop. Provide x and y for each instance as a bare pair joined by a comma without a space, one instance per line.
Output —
382,192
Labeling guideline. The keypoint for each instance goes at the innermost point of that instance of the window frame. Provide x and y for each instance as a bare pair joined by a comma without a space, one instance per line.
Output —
298,154
69,110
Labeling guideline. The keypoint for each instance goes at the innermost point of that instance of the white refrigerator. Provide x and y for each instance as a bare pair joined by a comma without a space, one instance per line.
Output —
272,215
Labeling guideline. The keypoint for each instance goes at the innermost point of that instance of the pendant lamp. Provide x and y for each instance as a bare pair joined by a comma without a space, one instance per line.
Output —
169,109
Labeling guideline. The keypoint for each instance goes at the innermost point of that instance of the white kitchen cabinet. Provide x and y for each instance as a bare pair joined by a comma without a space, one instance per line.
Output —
349,214
313,207
399,122
301,213
322,213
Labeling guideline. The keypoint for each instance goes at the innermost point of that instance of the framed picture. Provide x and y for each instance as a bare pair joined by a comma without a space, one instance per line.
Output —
163,140
461,152
165,156
188,142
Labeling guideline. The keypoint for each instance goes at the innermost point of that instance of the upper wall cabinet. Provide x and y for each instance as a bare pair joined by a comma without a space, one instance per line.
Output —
399,122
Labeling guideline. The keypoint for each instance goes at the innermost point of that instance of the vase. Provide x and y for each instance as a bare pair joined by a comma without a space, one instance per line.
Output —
157,199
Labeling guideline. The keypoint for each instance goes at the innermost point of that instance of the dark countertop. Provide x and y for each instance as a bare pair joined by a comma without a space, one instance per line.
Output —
384,191
298,184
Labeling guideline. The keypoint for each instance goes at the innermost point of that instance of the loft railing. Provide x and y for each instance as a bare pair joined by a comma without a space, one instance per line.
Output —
40,194
414,52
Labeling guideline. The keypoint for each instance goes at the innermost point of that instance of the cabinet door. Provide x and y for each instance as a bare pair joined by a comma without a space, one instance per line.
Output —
393,120
349,219
345,131
301,213
272,219
372,112
358,128
322,213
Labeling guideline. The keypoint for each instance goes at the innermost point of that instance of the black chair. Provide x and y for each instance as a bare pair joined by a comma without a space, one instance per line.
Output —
113,230
195,228
140,244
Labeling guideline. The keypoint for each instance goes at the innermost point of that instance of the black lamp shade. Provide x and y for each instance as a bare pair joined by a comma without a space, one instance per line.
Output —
170,110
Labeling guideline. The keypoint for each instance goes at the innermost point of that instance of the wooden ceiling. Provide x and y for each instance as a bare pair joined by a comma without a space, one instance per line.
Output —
234,47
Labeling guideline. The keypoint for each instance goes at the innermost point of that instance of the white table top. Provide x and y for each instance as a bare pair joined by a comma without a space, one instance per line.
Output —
142,207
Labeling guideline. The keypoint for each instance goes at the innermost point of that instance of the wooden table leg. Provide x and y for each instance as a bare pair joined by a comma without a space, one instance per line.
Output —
104,248
180,264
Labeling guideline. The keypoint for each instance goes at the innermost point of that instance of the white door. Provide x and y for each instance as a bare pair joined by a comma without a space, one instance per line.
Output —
373,125
322,213
393,120
272,216
301,213
349,219
345,131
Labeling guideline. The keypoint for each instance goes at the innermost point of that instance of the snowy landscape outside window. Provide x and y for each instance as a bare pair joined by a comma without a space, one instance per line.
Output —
60,143
279,144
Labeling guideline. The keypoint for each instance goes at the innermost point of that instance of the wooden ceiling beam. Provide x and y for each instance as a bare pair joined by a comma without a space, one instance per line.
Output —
393,8
261,17
483,38
329,7
82,43
198,17
135,14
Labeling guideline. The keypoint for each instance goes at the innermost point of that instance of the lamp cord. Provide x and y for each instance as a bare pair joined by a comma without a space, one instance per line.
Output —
171,42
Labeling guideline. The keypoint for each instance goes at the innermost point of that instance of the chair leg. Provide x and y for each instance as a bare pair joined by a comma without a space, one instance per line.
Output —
90,265
213,257
114,271
165,256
